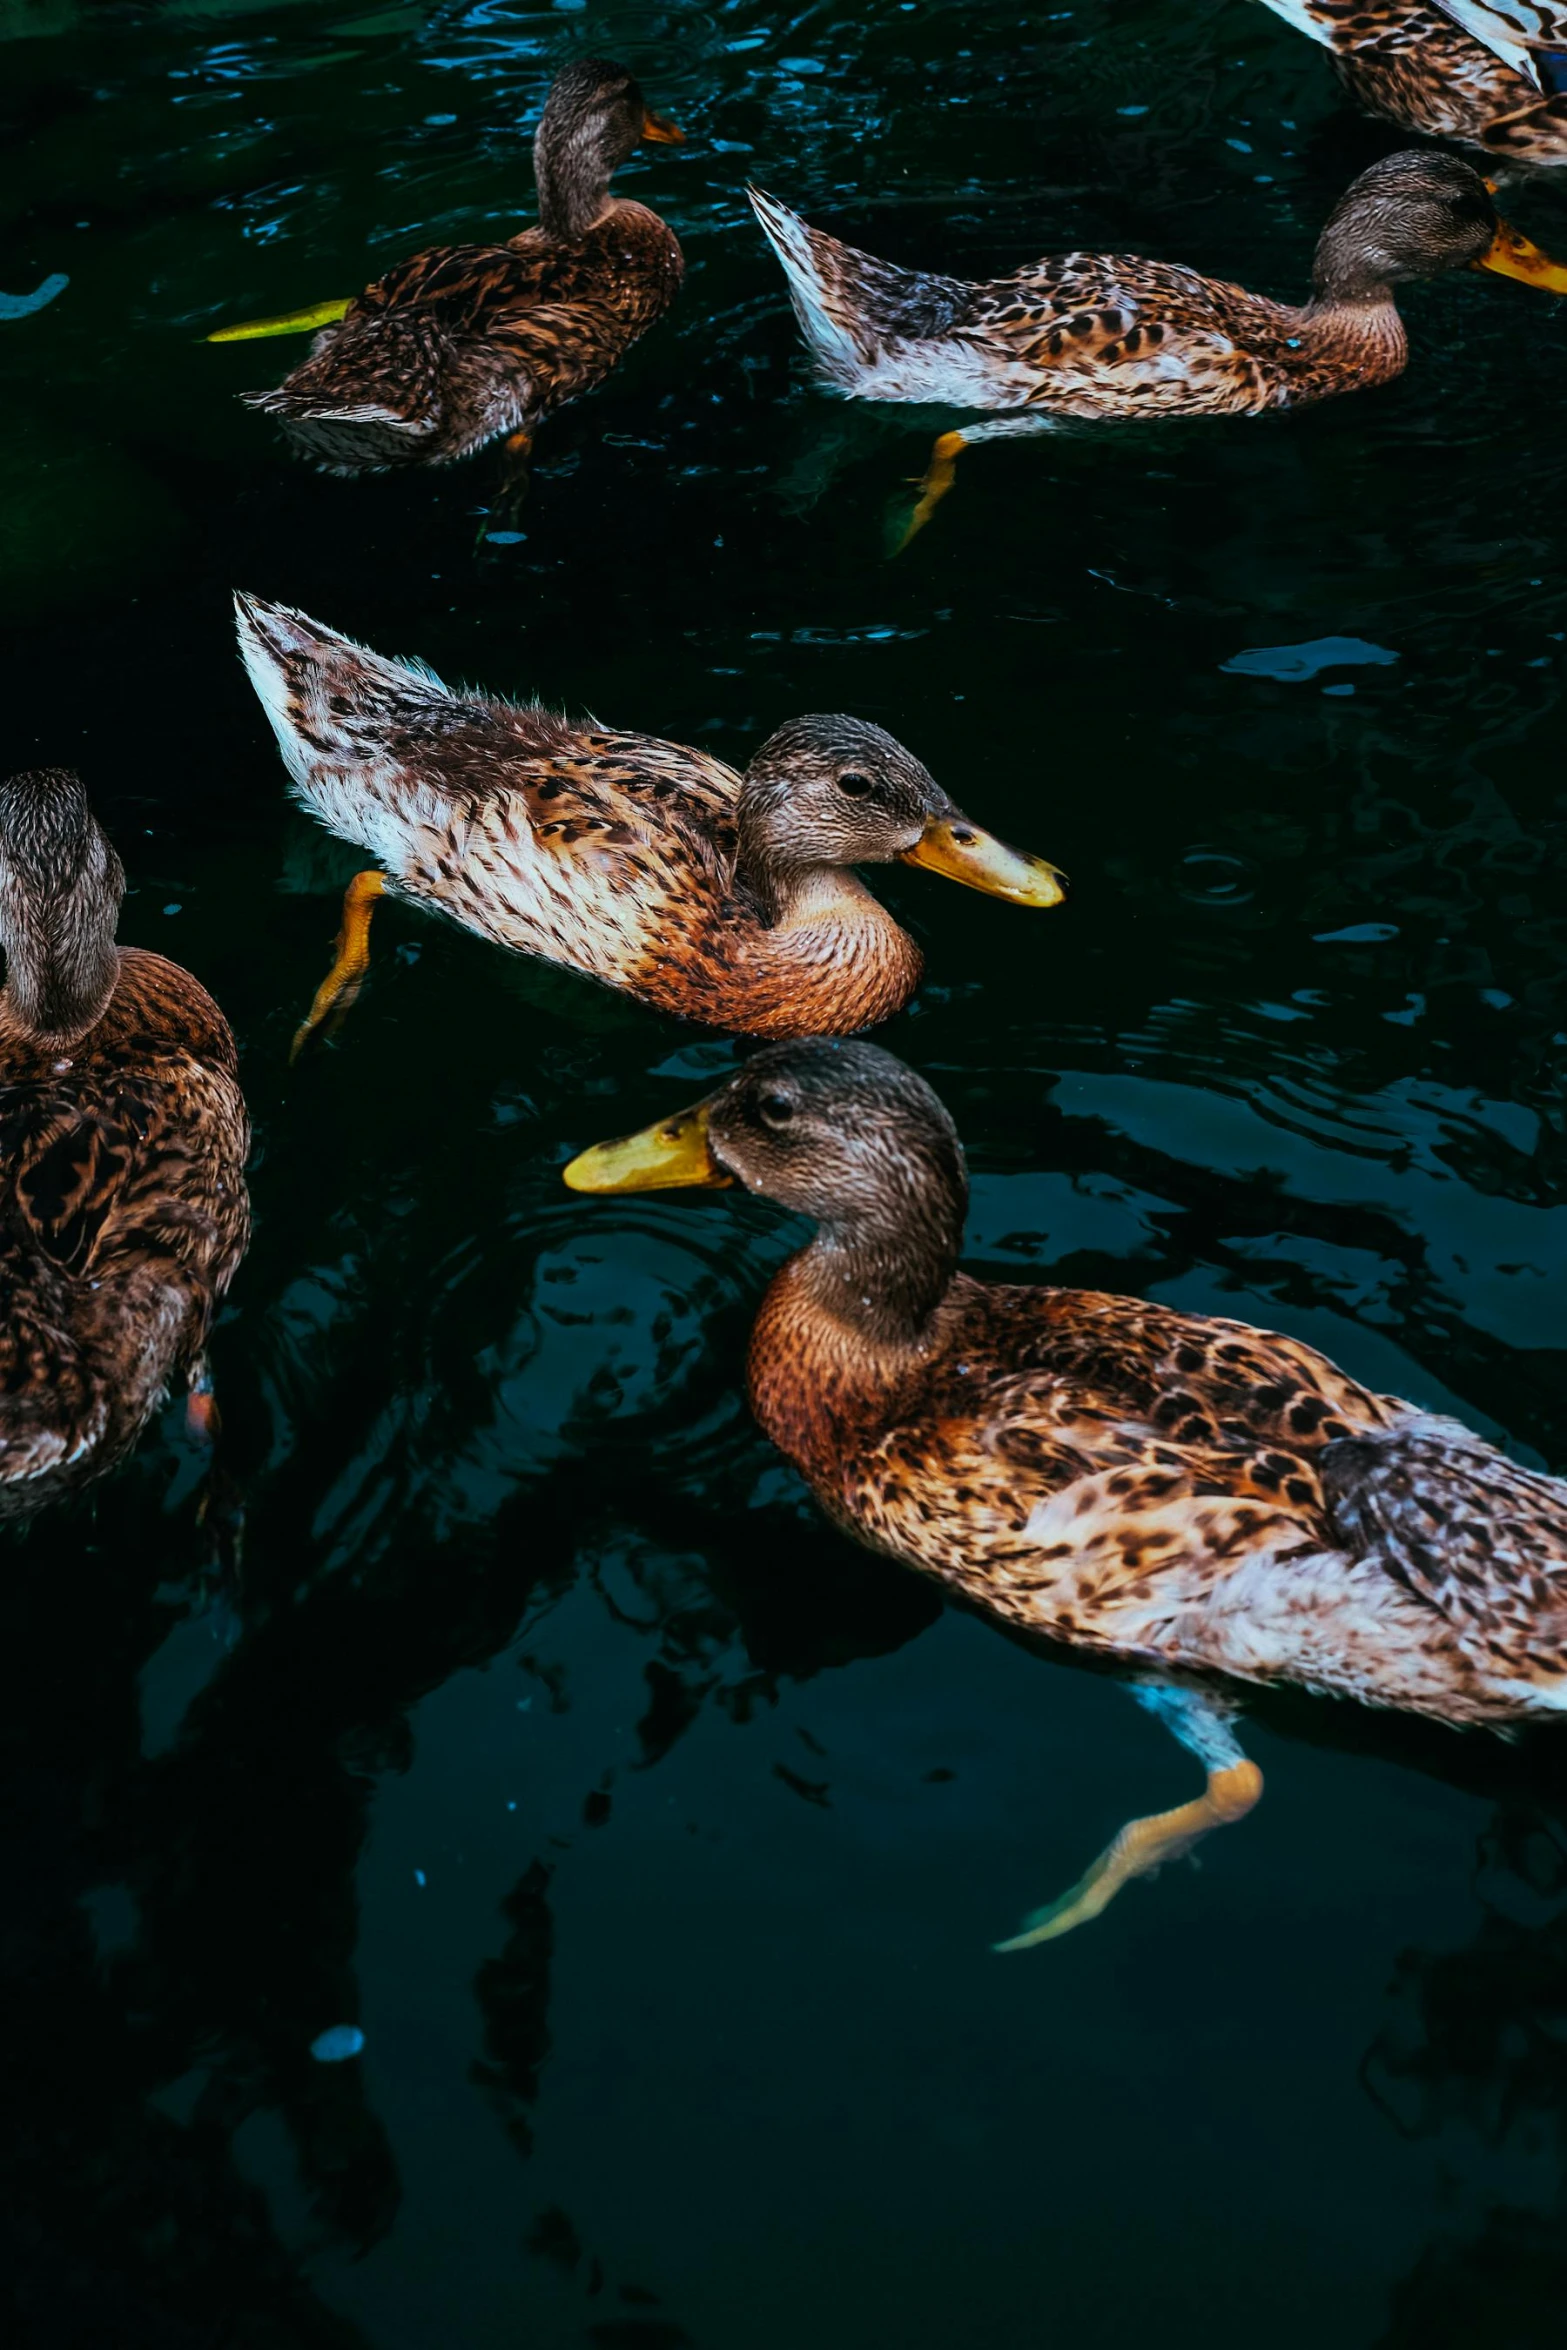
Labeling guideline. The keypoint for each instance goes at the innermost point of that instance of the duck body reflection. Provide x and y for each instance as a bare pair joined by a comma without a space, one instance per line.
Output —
123,1137
1190,1493
652,867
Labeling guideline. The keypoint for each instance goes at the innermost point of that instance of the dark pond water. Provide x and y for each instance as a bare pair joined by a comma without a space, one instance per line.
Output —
653,1836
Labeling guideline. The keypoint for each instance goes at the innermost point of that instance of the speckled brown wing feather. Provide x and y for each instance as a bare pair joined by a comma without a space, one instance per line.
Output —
1198,1492
1480,1539
1423,65
1095,333
123,1215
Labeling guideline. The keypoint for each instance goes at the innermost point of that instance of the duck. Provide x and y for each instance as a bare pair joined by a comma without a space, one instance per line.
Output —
1491,73
462,344
657,869
1208,1503
1107,335
123,1139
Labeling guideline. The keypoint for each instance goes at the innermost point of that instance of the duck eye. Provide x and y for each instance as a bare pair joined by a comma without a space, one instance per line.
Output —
856,786
776,1109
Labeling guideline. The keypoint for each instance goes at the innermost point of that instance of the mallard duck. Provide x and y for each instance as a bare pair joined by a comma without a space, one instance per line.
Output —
1188,1493
123,1136
1099,335
1490,72
462,343
724,898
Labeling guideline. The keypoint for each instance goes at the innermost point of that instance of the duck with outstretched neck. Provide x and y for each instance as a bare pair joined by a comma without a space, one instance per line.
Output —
730,899
1113,335
1194,1495
461,344
123,1137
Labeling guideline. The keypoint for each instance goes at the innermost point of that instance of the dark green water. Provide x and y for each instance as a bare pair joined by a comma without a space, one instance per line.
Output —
653,1836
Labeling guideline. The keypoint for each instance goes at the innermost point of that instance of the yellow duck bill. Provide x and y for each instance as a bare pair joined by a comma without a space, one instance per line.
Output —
1513,255
666,1157
661,130
289,322
963,853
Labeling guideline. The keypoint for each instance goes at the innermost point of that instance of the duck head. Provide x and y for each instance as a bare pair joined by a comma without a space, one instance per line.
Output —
831,791
60,890
1414,215
835,1130
594,117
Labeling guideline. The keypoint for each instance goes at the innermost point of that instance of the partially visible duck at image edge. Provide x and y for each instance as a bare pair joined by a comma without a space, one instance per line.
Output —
123,1138
1188,1493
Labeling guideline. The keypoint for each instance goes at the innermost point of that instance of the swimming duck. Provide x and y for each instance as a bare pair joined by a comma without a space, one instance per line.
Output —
462,343
1109,335
724,898
123,1136
1490,72
1188,1493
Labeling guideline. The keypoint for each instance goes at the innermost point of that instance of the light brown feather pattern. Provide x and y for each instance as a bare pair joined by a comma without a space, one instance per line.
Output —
123,1216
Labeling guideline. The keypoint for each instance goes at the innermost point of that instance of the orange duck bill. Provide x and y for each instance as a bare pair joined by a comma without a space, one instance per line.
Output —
661,130
1513,255
665,1157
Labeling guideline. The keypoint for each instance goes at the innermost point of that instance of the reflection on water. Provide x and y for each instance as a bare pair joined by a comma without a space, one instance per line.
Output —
708,2016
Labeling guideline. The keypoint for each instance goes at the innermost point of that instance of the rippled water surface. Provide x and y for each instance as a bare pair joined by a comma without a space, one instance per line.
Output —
652,1836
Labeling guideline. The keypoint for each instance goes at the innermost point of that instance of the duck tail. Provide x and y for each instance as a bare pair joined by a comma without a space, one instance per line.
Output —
348,722
1463,1527
368,397
851,305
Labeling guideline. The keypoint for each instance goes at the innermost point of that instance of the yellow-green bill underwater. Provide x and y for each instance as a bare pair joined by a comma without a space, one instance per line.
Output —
290,322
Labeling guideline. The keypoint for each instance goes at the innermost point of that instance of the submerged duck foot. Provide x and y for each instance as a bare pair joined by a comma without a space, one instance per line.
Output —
334,998
1143,1846
932,486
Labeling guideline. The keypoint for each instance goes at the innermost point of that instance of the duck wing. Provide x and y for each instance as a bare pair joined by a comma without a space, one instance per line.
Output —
1528,35
405,374
121,1211
1204,1493
1455,1521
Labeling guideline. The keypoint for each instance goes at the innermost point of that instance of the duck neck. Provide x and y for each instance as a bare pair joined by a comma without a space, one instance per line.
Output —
61,968
843,1328
882,1274
573,183
1361,324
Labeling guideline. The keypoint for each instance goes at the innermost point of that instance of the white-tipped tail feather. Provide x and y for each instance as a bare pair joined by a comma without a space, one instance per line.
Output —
348,722
879,331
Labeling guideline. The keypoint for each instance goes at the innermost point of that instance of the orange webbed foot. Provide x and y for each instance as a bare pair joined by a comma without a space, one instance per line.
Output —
351,960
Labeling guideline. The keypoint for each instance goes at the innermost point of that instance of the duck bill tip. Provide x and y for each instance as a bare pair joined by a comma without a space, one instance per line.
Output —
673,1155
961,852
1511,254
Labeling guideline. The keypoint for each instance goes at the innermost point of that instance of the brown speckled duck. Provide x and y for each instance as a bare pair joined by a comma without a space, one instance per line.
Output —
723,898
1104,335
462,343
1490,72
123,1211
1192,1494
